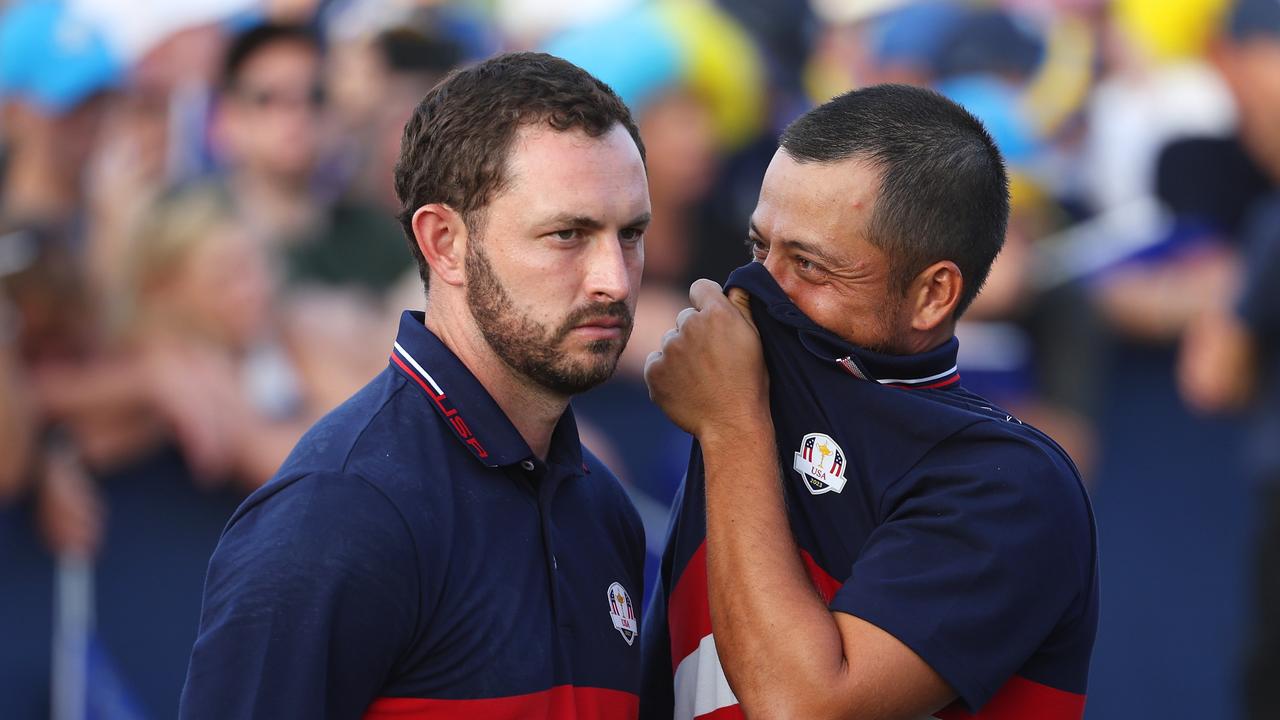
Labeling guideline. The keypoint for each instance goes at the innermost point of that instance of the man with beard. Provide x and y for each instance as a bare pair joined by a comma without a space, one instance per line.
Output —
441,544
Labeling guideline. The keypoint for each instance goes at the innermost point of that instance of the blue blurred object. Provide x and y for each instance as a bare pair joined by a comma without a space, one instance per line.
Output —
148,580
914,35
52,58
989,41
632,53
1254,18
999,106
1174,519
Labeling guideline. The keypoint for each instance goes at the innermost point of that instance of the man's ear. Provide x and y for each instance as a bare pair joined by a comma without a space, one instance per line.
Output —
442,237
934,294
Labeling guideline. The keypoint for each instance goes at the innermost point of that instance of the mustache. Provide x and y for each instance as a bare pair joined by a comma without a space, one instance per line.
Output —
617,310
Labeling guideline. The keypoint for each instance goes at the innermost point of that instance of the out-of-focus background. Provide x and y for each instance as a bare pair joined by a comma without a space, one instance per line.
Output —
199,257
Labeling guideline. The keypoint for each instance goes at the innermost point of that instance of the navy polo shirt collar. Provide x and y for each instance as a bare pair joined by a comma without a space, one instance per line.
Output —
466,407
933,369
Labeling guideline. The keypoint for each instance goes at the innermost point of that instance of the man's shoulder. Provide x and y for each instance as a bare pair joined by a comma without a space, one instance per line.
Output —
311,502
1004,437
377,441
1002,459
378,433
306,529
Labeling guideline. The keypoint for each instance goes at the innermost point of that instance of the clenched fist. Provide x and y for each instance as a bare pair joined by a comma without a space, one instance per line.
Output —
709,377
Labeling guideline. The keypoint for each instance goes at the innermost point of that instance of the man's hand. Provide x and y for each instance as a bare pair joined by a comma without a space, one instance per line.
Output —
710,375
1217,363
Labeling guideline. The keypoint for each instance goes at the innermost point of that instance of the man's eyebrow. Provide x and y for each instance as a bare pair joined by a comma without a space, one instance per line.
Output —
569,220
586,222
800,245
642,219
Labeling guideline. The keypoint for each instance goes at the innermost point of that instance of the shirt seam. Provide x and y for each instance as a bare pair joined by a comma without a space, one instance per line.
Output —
346,461
417,558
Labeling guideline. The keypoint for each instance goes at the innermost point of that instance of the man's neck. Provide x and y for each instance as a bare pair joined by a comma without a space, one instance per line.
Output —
922,342
532,409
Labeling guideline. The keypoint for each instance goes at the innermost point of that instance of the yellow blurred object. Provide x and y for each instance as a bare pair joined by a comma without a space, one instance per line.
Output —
1061,85
722,65
1025,193
825,77
1170,30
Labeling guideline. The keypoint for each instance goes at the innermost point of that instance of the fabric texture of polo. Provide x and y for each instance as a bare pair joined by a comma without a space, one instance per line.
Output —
917,506
414,559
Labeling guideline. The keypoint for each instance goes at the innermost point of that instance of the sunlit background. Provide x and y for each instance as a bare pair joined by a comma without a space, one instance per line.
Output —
199,257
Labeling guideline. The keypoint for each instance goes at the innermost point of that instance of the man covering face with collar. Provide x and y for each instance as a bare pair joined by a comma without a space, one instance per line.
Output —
858,535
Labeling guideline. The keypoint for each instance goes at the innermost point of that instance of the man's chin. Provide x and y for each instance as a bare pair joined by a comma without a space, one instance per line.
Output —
602,349
593,367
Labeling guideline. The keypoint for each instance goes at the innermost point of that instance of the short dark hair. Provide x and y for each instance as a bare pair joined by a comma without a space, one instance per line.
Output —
944,191
455,146
257,38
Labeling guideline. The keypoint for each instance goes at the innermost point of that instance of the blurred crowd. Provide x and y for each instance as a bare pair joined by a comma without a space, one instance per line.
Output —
199,254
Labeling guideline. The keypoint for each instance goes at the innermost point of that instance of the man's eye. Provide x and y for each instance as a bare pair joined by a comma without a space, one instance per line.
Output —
566,234
806,264
631,235
757,248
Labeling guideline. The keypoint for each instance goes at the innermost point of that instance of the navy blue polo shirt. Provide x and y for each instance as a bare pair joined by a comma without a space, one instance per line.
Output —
413,559
918,507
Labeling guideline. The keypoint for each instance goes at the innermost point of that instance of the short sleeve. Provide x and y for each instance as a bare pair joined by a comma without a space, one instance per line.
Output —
985,547
311,595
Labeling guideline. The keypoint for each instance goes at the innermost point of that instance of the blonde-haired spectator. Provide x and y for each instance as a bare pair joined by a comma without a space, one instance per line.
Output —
237,382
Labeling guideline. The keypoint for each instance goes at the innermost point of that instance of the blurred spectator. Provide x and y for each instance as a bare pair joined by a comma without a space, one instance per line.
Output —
15,427
375,81
235,375
1159,92
84,403
55,69
527,24
269,128
879,41
1229,357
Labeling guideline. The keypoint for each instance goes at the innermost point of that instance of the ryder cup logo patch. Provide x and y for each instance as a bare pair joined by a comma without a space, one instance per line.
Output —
623,613
821,463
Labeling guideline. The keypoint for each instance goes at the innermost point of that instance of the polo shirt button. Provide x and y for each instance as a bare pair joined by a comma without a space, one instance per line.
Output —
527,465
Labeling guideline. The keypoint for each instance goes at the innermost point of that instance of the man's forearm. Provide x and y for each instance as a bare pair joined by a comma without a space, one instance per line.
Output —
776,639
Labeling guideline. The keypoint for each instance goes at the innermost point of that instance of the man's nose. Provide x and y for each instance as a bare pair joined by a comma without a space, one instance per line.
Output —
608,277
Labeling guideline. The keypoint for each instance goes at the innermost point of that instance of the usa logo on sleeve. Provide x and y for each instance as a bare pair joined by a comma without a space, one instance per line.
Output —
623,613
821,463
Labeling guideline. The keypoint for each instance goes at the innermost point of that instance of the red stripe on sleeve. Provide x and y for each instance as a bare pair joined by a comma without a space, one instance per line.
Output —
563,702
688,611
688,615
732,712
827,586
1022,698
